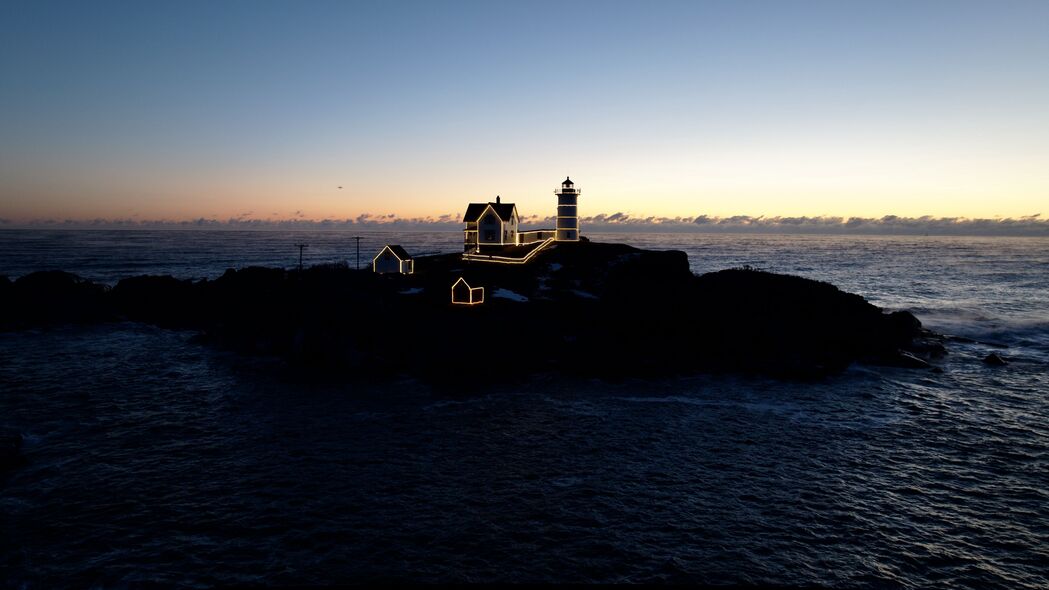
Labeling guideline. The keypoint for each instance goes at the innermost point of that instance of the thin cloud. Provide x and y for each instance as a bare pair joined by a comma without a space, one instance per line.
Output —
1028,225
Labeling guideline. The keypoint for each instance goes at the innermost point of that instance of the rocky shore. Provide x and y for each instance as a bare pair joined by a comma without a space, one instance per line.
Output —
582,308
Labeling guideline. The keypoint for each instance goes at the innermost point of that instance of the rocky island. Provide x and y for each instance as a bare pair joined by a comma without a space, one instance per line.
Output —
580,307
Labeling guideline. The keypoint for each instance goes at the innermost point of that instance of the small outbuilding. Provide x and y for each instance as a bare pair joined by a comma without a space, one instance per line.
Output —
393,259
464,294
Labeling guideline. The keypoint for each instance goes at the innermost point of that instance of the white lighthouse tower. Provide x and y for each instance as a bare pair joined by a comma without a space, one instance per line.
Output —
567,216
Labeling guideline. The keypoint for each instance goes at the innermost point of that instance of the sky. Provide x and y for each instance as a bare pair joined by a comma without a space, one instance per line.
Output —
261,110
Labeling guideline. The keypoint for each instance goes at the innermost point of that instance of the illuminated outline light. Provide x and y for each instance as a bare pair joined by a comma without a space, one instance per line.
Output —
476,294
503,222
400,262
507,259
538,235
567,197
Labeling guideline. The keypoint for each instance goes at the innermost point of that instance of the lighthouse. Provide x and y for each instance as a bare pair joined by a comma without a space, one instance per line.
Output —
567,216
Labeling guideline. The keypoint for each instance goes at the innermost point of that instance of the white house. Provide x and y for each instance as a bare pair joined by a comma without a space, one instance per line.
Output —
490,224
464,294
393,259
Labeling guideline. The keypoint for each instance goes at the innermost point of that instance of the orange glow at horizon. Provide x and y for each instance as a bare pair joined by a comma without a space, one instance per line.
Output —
719,185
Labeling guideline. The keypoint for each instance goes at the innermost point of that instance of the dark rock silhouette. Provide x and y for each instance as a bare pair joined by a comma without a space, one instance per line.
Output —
162,300
994,360
586,308
53,297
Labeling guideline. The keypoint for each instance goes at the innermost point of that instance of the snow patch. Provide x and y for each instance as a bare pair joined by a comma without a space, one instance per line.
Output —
507,294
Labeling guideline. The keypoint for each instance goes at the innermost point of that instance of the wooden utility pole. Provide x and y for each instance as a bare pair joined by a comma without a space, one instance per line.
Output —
358,238
300,247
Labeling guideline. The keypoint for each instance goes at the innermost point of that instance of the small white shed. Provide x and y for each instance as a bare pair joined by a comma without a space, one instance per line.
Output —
393,259
464,294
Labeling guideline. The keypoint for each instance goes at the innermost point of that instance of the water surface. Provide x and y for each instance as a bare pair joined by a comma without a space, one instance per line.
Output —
156,460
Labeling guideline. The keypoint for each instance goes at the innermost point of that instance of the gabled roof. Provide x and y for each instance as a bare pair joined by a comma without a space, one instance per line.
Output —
474,212
397,250
470,294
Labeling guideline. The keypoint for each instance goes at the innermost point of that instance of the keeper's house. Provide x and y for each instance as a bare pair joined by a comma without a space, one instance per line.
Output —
492,224
393,259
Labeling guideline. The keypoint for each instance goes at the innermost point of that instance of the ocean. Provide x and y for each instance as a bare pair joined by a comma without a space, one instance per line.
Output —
154,460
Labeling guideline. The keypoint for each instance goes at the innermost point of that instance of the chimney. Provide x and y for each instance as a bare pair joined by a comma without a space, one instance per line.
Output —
496,199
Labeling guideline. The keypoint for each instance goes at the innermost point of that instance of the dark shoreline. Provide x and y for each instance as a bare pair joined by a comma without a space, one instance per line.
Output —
584,308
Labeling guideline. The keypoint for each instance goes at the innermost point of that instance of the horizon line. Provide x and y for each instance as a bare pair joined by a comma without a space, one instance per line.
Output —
1030,225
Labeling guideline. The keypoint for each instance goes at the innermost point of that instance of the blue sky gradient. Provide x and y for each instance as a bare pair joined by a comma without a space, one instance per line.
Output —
182,110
